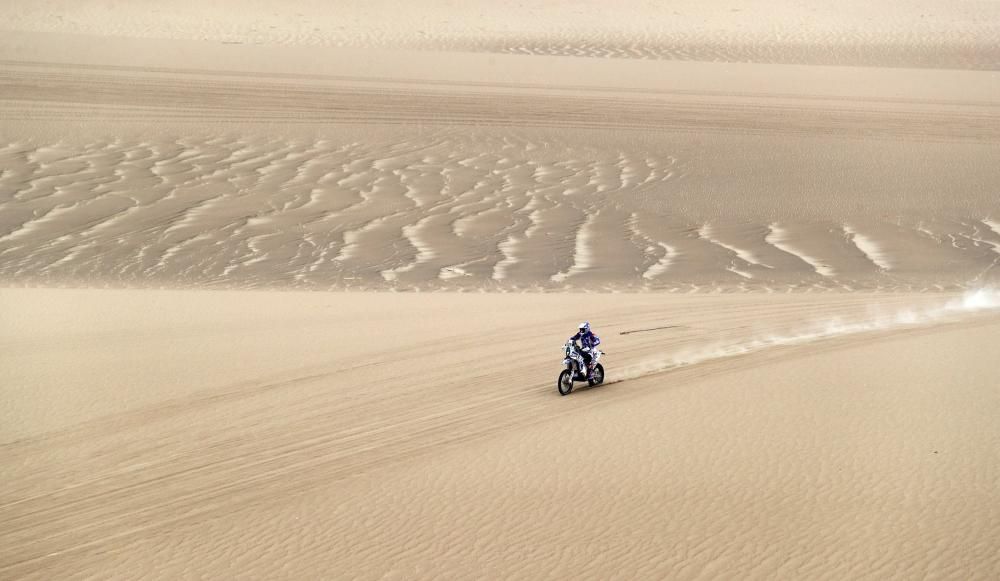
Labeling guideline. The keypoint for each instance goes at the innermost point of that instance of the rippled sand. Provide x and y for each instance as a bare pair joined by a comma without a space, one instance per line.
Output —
501,209
119,175
793,267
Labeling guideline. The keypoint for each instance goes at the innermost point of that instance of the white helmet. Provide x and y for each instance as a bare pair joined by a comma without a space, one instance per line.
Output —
585,327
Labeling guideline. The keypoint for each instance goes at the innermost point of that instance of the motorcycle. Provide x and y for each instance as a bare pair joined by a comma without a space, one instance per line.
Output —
576,369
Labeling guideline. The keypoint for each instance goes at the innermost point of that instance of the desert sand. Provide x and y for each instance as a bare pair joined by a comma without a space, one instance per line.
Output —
283,288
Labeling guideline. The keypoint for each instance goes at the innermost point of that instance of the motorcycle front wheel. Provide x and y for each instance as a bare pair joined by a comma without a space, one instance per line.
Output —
565,383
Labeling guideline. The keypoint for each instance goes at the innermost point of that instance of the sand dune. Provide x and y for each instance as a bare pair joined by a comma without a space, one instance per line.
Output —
785,216
959,34
294,434
448,209
466,171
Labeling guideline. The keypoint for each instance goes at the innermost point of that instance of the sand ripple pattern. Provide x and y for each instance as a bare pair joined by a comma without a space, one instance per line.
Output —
840,50
303,213
449,209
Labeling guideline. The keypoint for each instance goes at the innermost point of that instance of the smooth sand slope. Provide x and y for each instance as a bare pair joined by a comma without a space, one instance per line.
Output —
905,33
163,434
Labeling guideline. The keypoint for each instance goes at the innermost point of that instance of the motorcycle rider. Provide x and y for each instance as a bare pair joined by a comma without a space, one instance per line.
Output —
588,341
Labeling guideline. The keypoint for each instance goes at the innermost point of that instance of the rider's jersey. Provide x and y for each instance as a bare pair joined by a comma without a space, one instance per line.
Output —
588,340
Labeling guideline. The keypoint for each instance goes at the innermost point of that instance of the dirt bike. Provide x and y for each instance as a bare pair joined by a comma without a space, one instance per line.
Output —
576,369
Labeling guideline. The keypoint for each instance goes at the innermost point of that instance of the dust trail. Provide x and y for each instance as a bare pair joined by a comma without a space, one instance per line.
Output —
977,301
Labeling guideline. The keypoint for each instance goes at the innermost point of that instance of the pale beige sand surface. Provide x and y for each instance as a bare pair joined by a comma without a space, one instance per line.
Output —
906,33
783,217
169,434
140,165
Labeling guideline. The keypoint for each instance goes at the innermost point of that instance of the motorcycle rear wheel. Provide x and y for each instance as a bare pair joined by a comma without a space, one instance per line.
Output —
597,377
565,382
